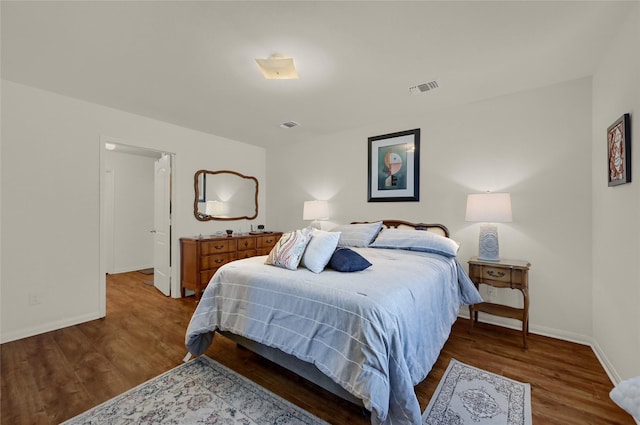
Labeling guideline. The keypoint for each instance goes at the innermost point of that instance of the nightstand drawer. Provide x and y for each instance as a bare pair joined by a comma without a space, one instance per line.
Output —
496,274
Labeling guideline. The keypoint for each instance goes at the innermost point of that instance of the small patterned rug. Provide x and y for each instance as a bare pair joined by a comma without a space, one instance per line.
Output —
468,395
201,391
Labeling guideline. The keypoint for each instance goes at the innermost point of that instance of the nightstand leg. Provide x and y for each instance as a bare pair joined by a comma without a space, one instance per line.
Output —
525,331
525,317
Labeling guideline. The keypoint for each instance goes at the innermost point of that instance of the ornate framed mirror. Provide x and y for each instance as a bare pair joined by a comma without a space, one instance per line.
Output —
225,195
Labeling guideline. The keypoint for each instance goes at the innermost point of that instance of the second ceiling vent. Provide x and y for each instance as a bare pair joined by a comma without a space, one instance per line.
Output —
289,124
421,88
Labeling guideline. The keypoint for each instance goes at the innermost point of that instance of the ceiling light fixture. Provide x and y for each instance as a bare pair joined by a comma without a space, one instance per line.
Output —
277,67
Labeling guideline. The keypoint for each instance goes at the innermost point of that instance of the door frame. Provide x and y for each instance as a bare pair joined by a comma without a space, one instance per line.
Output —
103,221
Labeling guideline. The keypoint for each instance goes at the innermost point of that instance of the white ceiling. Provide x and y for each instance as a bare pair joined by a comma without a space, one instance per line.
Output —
192,63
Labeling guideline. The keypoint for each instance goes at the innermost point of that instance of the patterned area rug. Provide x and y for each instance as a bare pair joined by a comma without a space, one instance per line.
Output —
468,395
201,391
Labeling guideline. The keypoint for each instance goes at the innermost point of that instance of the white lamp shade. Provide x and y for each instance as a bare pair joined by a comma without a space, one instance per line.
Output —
315,210
214,208
489,207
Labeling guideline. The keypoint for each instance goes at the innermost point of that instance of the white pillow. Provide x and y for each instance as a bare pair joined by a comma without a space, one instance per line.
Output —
416,240
288,251
358,235
319,250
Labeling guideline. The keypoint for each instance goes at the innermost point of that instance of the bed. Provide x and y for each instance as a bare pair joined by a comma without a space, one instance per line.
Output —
368,336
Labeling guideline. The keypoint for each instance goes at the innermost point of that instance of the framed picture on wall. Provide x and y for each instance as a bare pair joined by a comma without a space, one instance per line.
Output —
394,167
619,151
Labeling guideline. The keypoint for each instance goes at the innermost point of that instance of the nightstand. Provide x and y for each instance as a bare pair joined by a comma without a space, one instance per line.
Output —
512,274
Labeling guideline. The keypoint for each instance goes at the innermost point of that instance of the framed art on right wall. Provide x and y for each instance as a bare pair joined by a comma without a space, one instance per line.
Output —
619,151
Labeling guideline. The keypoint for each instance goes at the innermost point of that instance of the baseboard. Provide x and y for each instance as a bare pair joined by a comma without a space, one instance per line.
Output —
130,269
48,327
557,334
606,364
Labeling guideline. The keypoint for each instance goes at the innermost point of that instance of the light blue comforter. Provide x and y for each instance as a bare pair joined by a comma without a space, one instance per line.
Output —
377,332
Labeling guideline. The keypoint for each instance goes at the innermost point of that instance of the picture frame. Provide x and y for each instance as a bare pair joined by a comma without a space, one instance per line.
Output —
619,151
394,167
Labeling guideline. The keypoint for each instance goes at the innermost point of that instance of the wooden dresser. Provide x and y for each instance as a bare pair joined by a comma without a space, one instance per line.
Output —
200,257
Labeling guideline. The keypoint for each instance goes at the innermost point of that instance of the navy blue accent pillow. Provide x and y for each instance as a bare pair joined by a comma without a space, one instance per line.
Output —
347,260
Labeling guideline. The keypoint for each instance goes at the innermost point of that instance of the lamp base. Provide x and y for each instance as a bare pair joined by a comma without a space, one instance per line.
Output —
316,224
488,247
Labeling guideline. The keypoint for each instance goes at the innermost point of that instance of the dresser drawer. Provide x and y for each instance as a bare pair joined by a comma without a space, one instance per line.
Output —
267,241
206,276
246,243
264,251
214,247
246,253
216,260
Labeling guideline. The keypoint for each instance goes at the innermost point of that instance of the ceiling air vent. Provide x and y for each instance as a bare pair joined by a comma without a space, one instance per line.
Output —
289,124
421,88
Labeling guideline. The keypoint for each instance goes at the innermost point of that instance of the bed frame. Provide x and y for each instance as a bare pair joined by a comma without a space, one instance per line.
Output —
440,229
307,370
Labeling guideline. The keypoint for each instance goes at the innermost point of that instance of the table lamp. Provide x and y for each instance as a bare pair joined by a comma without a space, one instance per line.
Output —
315,210
489,208
214,208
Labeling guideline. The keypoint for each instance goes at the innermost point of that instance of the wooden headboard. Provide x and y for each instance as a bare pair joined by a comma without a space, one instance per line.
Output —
439,229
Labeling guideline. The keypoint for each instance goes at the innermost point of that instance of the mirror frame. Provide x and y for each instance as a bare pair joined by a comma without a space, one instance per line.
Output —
203,217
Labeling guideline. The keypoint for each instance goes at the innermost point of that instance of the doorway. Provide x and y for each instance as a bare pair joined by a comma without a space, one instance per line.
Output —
135,213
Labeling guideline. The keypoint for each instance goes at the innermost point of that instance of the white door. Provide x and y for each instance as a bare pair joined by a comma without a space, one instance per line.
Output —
162,224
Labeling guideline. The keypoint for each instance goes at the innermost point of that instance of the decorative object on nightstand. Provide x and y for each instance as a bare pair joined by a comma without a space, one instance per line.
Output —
489,208
316,211
512,274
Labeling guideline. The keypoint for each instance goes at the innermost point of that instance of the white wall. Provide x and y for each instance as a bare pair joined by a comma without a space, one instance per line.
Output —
616,210
130,212
534,144
51,156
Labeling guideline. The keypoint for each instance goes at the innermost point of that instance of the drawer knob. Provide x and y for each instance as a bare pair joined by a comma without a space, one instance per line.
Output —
495,274
219,260
219,246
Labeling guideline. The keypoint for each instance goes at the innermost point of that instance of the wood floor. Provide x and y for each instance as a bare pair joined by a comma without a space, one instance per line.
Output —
51,377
